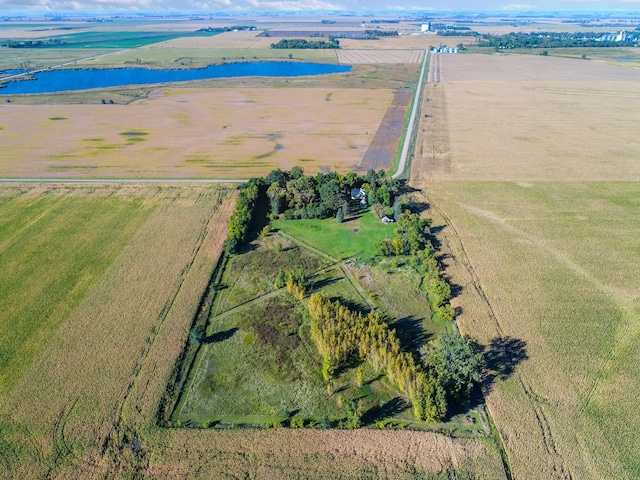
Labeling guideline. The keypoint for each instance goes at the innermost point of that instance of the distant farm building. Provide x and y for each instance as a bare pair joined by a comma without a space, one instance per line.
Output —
444,49
387,220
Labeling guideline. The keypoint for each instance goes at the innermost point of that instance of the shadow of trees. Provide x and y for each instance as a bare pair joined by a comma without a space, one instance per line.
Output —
411,333
501,357
220,336
385,411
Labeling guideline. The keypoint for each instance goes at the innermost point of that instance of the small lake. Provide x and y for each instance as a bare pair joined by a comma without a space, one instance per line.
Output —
53,81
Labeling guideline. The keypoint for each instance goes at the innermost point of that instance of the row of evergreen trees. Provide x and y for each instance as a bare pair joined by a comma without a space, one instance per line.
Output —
240,220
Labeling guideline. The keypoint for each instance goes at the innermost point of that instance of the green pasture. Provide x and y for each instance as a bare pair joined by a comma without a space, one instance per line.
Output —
355,237
50,259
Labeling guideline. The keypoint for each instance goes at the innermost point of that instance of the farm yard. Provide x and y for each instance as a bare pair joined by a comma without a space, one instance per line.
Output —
256,325
539,210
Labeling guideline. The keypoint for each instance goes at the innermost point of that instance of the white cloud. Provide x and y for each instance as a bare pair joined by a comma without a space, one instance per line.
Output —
518,6
281,5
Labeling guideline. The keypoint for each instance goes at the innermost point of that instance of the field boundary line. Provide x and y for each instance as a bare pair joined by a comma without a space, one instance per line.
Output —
122,180
460,256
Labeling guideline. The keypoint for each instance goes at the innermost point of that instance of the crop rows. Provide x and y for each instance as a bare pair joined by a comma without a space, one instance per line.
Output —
353,57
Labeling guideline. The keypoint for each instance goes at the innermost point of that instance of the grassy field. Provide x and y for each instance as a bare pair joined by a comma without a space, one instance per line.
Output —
539,210
183,57
258,364
354,237
32,59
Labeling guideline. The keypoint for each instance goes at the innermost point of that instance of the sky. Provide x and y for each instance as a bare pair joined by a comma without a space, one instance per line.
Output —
317,5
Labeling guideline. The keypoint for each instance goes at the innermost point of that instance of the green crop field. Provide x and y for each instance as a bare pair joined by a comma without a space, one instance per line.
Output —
115,39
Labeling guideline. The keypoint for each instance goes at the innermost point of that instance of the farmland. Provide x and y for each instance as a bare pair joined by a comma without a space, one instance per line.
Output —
225,133
528,164
86,283
103,321
539,210
134,261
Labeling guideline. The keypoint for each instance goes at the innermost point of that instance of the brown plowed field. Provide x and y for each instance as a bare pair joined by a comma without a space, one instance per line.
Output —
384,146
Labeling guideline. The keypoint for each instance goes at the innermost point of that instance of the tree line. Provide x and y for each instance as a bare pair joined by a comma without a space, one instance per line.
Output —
300,43
33,43
411,241
544,40
451,365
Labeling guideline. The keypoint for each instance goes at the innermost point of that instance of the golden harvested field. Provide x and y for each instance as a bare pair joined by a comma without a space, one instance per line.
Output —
534,118
241,40
379,56
531,168
404,42
217,133
114,336
85,403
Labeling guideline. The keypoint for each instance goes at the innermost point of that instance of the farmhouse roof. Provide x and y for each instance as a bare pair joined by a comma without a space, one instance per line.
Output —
358,193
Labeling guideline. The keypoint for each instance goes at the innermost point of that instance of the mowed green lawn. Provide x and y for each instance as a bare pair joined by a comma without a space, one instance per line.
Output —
356,236
560,265
52,249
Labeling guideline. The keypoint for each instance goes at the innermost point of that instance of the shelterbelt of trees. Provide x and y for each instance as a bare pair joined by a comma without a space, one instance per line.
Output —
297,196
548,40
449,366
300,43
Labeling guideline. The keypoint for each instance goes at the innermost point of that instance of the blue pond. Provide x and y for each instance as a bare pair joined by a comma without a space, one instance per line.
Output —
52,81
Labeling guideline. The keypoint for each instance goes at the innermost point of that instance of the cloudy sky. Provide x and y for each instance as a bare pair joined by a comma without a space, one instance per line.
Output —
317,5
